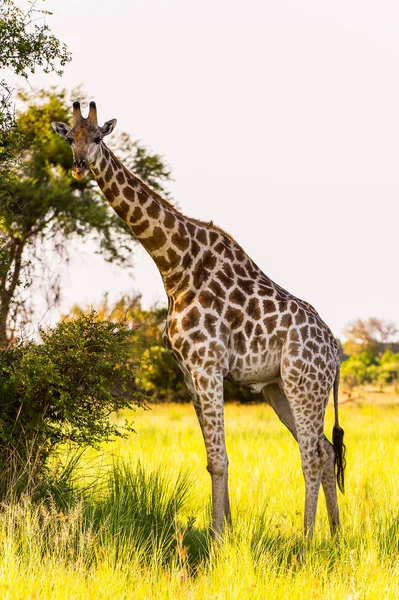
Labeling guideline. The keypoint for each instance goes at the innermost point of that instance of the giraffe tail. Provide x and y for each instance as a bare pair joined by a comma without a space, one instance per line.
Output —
338,439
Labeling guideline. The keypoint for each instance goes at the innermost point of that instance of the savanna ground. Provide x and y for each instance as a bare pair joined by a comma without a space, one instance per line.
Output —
137,528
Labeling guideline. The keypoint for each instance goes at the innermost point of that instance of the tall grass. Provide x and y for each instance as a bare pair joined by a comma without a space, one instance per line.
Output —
135,524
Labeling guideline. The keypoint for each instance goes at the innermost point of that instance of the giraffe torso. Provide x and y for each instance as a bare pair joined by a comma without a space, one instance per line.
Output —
227,314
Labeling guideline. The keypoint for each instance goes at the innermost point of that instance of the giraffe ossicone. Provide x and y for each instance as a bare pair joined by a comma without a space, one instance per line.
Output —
227,319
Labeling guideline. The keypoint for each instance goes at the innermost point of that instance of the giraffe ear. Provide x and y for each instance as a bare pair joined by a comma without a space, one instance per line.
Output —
108,127
60,128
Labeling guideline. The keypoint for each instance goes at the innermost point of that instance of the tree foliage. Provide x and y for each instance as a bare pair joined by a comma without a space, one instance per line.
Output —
26,44
365,369
64,389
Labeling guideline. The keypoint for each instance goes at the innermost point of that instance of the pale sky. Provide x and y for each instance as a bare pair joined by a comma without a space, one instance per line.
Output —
280,121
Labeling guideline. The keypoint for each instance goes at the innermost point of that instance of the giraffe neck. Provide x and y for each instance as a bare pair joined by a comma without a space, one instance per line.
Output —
164,232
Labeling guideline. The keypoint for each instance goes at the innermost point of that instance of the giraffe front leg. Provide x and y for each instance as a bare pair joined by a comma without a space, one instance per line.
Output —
208,402
227,511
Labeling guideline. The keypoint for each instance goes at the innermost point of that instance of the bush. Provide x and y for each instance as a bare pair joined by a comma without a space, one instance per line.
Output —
364,368
161,376
358,369
390,367
63,389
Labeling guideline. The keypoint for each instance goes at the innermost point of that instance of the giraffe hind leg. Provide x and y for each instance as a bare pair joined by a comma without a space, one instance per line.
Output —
276,398
330,487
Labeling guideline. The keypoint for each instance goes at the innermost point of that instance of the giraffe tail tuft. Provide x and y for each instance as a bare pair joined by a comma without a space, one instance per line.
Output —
340,452
338,439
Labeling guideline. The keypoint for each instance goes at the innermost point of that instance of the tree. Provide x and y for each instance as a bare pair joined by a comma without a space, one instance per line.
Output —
372,335
47,208
26,44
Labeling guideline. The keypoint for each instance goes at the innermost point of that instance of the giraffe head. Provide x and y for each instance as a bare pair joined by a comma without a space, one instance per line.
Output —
85,137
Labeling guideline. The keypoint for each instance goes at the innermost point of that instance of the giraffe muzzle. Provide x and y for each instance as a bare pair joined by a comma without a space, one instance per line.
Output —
80,169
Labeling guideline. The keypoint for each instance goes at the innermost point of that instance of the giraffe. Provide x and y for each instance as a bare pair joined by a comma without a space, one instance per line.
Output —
227,319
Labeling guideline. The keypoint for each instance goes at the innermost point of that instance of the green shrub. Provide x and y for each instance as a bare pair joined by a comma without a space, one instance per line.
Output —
63,389
365,368
358,370
390,366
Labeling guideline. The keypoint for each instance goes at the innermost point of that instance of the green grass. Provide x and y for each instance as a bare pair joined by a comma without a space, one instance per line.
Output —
138,526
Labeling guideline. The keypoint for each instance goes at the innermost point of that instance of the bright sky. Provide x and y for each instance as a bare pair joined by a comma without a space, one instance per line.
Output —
280,121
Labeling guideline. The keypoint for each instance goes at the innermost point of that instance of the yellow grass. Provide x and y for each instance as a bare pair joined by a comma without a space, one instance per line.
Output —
262,557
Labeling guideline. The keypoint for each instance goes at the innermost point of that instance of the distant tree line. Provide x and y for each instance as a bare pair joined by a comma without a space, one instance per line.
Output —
371,354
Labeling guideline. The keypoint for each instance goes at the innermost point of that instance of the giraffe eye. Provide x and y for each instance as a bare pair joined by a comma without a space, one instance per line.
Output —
97,140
